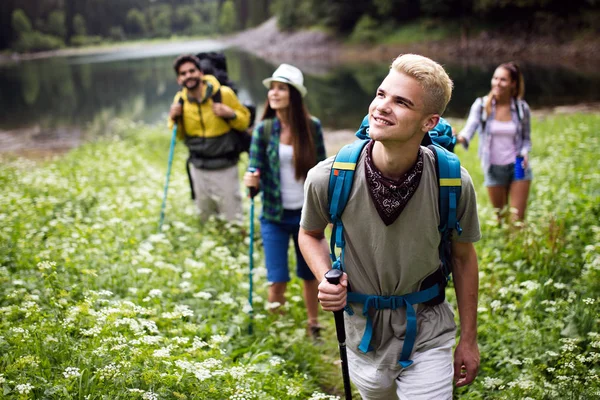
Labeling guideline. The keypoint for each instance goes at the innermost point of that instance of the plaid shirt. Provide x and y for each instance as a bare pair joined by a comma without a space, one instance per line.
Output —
264,156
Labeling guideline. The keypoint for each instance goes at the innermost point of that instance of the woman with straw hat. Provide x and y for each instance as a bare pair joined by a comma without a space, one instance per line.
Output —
285,145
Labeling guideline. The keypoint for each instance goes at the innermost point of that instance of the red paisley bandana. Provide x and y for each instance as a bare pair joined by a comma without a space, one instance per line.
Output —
390,196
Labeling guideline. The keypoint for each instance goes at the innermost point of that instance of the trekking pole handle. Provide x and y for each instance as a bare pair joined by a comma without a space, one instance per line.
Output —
333,276
252,191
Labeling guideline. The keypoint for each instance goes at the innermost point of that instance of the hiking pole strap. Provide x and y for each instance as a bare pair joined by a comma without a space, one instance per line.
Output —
408,301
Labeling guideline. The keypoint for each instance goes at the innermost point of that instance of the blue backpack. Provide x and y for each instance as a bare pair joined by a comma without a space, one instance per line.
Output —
432,290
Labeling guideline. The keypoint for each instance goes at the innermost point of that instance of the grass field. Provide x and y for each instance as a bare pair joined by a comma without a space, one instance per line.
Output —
95,304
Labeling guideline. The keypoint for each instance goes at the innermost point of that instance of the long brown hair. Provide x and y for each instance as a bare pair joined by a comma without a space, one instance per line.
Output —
516,76
302,129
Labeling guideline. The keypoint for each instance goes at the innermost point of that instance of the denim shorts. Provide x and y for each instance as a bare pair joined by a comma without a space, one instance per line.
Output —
276,240
504,175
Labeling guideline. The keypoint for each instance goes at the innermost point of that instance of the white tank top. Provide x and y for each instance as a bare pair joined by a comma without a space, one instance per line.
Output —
292,191
502,147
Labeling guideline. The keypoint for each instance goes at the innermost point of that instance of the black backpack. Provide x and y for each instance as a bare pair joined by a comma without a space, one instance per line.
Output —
214,63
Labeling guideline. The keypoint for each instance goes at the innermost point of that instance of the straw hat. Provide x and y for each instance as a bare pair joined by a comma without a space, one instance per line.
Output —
287,74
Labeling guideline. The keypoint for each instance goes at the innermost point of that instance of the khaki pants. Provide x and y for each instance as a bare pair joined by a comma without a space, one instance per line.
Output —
218,192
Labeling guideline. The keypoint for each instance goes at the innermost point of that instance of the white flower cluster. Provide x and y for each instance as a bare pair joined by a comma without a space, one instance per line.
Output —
164,352
181,310
198,343
108,372
491,383
24,388
322,396
44,265
71,372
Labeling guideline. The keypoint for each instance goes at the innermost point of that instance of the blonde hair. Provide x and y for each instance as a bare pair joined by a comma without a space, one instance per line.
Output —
515,76
431,76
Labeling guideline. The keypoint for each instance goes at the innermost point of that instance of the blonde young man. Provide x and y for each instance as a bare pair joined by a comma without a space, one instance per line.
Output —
208,120
391,232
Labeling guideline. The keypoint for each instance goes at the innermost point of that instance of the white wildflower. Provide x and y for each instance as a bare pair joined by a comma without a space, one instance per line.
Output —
150,396
530,285
71,372
294,390
94,331
275,361
560,285
218,339
203,295
144,271
322,396
194,264
198,343
226,298
272,306
237,372
181,340
43,265
24,388
495,304
163,352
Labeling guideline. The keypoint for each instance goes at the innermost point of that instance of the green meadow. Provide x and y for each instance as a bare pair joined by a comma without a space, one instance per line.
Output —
96,304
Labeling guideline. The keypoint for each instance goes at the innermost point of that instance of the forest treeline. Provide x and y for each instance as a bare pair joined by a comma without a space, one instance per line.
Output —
33,25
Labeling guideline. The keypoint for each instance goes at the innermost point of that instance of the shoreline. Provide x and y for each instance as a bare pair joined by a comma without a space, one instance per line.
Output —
311,47
314,47
38,143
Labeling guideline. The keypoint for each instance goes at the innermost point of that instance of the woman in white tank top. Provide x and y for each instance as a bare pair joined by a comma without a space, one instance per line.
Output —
285,145
504,124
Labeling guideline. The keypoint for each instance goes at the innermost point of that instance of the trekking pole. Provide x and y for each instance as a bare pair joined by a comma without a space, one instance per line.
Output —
252,192
171,152
333,277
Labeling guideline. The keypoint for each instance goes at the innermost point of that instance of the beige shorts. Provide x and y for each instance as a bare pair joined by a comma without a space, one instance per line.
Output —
429,377
218,192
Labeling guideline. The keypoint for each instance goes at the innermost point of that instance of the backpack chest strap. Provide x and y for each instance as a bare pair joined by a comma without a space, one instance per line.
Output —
407,301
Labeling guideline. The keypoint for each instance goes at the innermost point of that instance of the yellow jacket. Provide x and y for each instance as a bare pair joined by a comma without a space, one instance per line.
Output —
199,119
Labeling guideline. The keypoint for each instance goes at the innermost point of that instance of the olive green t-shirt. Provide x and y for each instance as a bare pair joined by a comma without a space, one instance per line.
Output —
391,260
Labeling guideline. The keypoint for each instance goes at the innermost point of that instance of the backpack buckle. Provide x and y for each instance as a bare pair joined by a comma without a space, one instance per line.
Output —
384,302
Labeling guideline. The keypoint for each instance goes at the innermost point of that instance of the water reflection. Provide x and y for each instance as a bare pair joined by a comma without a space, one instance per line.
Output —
74,92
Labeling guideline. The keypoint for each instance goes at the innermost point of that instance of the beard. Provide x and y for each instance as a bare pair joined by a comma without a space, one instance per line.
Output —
191,83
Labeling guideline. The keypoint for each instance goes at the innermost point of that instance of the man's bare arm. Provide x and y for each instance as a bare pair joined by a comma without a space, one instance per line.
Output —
466,285
316,253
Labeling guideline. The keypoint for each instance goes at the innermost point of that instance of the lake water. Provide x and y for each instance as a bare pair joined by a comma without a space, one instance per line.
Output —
70,94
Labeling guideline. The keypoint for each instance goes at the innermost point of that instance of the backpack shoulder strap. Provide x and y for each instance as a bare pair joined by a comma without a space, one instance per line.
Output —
482,114
450,185
216,97
520,111
340,185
